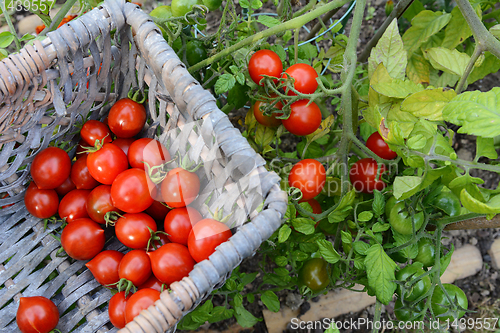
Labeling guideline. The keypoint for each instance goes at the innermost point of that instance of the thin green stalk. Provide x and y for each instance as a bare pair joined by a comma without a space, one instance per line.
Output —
296,45
478,50
59,17
11,26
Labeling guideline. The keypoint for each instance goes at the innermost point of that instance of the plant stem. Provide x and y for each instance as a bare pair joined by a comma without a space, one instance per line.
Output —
11,26
291,24
478,50
59,17
378,313
323,20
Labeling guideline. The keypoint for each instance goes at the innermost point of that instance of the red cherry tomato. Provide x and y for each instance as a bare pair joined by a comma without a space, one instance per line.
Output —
378,145
304,119
130,191
80,175
269,121
264,62
135,267
36,314
205,236
50,168
305,78
179,222
171,262
363,175
107,163
124,144
139,301
116,309
65,187
82,239
180,187
104,266
133,230
148,151
41,203
152,283
126,118
316,208
309,176
99,203
157,211
74,205
94,130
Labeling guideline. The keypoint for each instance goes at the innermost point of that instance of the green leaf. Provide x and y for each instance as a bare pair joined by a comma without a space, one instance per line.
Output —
360,247
304,225
449,61
406,186
359,262
327,251
424,25
416,142
202,313
477,112
248,278
323,129
255,4
279,50
245,318
365,216
495,31
268,21
490,208
224,83
281,261
346,237
264,135
417,69
6,38
412,11
457,31
378,204
380,269
220,313
446,259
380,227
490,64
429,103
409,251
332,328
339,215
237,95
26,37
397,88
406,121
284,233
485,147
389,51
270,300
347,200
291,212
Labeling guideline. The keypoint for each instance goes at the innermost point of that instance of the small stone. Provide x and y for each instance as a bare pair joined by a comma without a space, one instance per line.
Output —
473,241
294,301
485,292
494,252
475,297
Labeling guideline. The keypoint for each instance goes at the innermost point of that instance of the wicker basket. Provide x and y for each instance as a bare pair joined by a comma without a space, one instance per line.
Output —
44,89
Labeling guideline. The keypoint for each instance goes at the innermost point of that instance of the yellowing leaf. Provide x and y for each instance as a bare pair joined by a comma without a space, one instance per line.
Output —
428,104
390,52
457,31
418,69
449,61
397,88
324,129
490,64
491,207
424,25
405,120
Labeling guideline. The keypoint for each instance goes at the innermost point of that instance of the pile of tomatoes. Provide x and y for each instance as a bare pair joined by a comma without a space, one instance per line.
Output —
305,115
124,185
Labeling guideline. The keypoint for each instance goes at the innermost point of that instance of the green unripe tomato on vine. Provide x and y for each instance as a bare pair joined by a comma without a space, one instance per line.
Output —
406,313
388,206
440,302
195,52
410,273
212,4
162,12
182,7
426,252
314,274
401,220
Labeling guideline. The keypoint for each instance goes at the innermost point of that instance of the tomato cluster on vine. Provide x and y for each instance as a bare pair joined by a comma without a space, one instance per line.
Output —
123,183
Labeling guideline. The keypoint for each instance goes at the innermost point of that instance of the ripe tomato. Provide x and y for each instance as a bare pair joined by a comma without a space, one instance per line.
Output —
139,301
116,309
426,252
126,118
147,151
401,220
135,267
363,174
316,208
130,191
440,303
94,130
178,224
65,187
124,144
134,230
82,239
41,203
80,175
314,274
157,211
378,145
36,314
74,205
152,283
304,119
414,291
205,236
309,176
305,78
104,266
180,187
99,204
264,62
171,262
50,168
107,163
269,121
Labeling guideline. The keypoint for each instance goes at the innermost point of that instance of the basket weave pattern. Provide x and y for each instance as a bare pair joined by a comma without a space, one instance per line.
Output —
44,91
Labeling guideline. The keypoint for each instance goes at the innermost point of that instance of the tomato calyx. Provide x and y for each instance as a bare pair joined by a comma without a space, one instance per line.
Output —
111,217
97,146
137,95
154,237
124,285
46,221
295,193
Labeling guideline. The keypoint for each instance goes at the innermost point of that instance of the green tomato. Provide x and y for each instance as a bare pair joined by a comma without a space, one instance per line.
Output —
162,12
389,204
426,252
401,220
440,303
408,274
195,52
406,313
448,203
314,274
212,4
182,7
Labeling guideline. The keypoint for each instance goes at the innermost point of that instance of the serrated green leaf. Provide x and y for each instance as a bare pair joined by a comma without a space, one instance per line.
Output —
485,147
284,233
6,38
457,31
279,50
429,103
418,70
378,204
264,135
291,212
365,216
490,208
424,25
389,51
220,313
240,77
477,112
339,215
270,300
490,64
224,83
406,121
380,269
304,225
245,318
406,185
449,61
255,4
346,237
397,88
412,11
237,95
380,227
360,247
409,251
327,251
248,278
268,21
359,262
281,261
202,314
